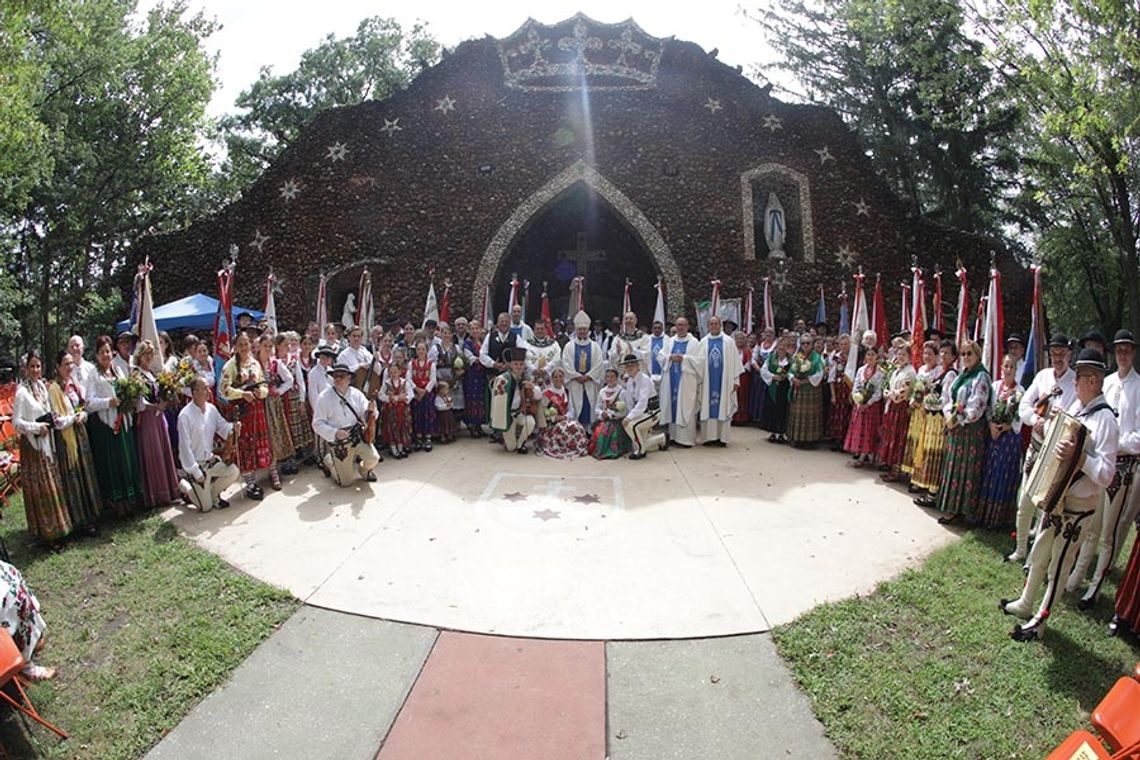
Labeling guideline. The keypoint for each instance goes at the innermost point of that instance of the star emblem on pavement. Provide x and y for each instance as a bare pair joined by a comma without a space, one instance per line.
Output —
587,498
845,256
391,126
289,189
515,496
773,122
862,208
713,105
337,152
824,154
259,240
445,106
546,514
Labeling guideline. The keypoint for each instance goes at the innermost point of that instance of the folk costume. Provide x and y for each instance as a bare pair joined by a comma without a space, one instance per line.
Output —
450,367
509,414
720,373
474,388
775,373
805,405
759,386
1001,476
396,413
962,467
73,456
680,384
346,412
112,444
744,389
495,347
562,437
280,380
866,413
159,477
48,518
207,476
609,439
925,399
445,417
254,451
896,417
585,366
1055,548
20,612
839,408
933,443
641,417
423,377
297,409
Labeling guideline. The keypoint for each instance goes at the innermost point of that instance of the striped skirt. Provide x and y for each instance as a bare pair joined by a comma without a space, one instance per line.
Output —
912,456
44,504
79,479
932,448
896,425
300,428
962,468
805,415
997,501
863,431
280,440
839,411
254,450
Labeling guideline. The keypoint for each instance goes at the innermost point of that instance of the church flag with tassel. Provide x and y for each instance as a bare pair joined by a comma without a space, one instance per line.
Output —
714,302
993,332
860,323
918,317
769,313
879,314
270,303
659,309
485,313
821,308
938,323
224,333
1036,352
905,319
962,328
980,318
322,304
146,328
844,312
525,300
431,306
748,318
513,300
445,309
546,310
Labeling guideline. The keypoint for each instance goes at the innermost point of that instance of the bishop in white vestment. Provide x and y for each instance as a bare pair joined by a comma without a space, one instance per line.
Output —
720,378
583,361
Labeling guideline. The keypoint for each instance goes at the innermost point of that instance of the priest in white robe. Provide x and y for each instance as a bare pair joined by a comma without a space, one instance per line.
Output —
630,340
542,353
679,359
720,378
584,363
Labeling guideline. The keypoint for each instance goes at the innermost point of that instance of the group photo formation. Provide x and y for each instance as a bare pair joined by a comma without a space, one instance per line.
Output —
572,390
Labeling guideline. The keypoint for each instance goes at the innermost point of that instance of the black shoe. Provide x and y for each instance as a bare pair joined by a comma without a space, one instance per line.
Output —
681,445
222,504
772,438
1023,634
1086,604
1002,606
427,446
523,449
635,457
721,444
947,519
926,501
1113,626
254,492
912,488
370,477
711,443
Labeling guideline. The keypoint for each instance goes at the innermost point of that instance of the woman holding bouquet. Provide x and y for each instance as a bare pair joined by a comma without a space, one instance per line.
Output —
774,372
866,411
160,479
1001,475
112,436
609,440
933,443
73,449
966,411
563,437
450,366
923,389
243,384
896,420
805,408
839,410
44,504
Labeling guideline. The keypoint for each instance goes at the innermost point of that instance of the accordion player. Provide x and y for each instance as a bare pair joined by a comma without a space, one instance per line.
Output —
340,417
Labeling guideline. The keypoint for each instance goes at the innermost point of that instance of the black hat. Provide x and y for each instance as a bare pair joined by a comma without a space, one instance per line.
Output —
126,335
901,334
325,350
1123,336
1090,358
509,355
1015,338
1094,335
340,369
629,359
725,324
1059,340
932,334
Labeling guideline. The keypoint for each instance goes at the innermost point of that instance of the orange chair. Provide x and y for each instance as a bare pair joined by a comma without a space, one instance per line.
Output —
11,663
1081,745
9,461
1117,717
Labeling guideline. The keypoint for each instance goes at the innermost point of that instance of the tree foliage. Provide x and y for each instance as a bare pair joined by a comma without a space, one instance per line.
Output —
379,60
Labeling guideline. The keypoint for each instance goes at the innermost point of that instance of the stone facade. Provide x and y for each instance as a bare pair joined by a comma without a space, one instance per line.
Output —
447,175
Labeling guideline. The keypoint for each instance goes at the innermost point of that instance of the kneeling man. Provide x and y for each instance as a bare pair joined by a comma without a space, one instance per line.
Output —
512,399
641,396
342,415
198,424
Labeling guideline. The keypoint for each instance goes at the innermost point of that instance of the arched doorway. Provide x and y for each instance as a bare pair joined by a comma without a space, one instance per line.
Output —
636,249
578,233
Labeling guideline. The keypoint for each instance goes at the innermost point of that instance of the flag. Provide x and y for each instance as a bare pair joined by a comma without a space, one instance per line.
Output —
918,317
322,304
659,310
577,296
993,333
859,324
844,313
445,310
879,315
748,319
525,299
1035,348
769,313
365,309
625,307
821,308
485,313
514,297
904,322
961,331
431,306
546,310
980,318
270,303
714,302
936,307
223,325
146,328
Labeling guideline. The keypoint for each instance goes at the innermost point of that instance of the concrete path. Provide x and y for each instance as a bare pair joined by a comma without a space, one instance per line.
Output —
335,685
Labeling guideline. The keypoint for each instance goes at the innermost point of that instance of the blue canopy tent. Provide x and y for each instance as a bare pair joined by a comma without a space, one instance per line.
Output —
194,312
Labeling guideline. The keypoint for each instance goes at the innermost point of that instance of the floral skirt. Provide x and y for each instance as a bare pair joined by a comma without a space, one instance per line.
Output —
896,424
79,479
805,415
932,446
1001,477
44,504
423,416
116,466
20,612
280,439
609,440
863,431
563,440
396,424
254,450
962,468
839,411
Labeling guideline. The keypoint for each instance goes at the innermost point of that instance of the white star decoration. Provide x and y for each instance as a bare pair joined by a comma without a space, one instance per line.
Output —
391,126
337,152
445,106
845,256
773,122
259,240
862,208
824,154
289,189
713,105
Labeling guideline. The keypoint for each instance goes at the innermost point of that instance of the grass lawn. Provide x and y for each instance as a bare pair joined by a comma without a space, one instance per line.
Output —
924,667
141,624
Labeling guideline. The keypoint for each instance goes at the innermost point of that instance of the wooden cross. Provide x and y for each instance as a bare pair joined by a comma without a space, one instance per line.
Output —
581,255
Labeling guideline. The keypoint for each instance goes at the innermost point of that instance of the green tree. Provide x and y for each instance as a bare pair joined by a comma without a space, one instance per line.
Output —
379,60
121,102
906,76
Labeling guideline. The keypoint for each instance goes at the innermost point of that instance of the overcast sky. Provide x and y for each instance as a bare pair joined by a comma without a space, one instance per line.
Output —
275,32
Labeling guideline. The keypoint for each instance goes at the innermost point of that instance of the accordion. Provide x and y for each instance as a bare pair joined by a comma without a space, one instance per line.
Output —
1051,476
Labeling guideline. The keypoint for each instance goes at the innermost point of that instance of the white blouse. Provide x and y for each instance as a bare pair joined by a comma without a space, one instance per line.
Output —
32,403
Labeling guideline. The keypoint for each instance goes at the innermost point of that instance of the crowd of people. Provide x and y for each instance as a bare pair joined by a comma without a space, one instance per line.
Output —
127,432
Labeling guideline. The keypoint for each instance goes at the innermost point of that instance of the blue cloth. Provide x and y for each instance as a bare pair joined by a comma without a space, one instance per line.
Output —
583,361
655,344
716,375
516,330
194,312
675,378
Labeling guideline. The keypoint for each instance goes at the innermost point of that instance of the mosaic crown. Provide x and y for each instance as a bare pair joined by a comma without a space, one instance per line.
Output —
580,53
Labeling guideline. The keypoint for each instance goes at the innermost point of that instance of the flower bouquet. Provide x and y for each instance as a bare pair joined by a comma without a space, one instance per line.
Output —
932,402
858,398
171,383
801,366
128,390
551,413
918,390
1005,410
459,366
